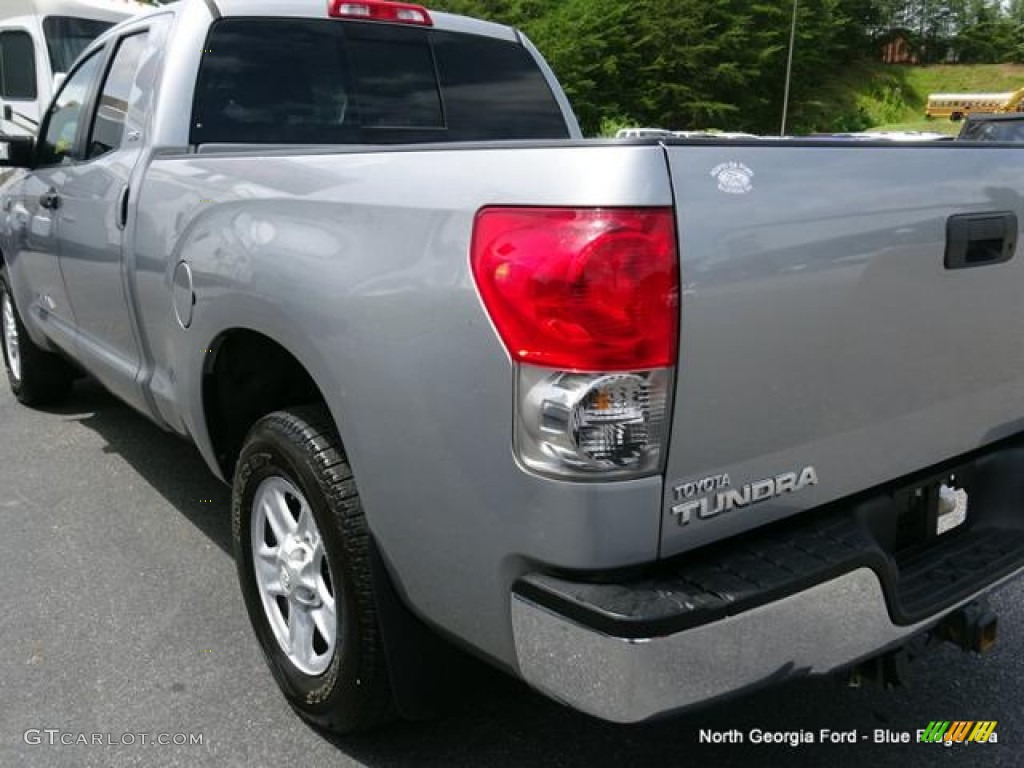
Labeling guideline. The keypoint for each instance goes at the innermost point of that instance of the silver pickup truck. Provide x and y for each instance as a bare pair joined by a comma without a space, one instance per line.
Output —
644,423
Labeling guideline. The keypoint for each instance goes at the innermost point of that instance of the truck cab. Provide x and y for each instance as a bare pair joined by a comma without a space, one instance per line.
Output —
39,41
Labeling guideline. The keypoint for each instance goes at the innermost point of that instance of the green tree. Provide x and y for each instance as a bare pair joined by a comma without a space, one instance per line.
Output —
692,64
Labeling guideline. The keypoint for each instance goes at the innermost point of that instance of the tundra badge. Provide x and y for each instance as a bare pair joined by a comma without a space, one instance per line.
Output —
698,497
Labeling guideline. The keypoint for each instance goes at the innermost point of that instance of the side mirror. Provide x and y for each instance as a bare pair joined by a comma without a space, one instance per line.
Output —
17,151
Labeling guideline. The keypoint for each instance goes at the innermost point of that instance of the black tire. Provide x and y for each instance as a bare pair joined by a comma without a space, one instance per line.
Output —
302,446
45,378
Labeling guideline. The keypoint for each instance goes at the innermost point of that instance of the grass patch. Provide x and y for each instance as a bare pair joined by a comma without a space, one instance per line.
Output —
931,126
893,97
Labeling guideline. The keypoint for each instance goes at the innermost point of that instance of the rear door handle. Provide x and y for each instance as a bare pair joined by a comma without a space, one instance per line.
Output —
980,239
50,199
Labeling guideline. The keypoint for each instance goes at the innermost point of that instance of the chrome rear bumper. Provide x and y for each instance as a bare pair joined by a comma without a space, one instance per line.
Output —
828,626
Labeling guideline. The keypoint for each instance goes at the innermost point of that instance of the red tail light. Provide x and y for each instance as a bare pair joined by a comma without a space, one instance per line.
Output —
379,10
581,289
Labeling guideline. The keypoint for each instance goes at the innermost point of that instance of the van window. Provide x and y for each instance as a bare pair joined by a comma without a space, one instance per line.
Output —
67,36
17,66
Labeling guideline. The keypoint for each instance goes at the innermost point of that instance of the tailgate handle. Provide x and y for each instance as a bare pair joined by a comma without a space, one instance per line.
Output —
980,239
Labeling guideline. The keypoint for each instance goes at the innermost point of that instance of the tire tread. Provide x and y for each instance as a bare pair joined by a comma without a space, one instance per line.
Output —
46,378
312,429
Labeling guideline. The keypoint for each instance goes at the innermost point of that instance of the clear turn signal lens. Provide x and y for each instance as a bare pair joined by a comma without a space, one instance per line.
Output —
592,425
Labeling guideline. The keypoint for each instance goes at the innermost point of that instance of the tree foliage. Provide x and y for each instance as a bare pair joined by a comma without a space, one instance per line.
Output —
691,64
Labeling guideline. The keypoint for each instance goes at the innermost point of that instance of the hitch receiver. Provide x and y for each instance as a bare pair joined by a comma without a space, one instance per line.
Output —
972,628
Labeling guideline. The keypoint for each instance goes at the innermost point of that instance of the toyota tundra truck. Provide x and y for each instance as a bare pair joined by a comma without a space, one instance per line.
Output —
645,423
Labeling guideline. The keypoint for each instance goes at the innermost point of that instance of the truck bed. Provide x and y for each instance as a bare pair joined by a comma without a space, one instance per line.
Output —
821,326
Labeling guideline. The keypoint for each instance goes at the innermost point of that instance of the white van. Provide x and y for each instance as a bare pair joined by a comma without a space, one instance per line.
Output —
39,40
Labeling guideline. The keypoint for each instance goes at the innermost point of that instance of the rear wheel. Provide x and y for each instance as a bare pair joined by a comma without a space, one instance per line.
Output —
301,545
37,377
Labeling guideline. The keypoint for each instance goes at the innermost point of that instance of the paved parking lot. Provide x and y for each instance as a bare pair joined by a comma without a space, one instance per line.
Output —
121,617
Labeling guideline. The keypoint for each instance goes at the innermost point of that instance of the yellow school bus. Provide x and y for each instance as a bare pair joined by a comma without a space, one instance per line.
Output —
1016,102
956,106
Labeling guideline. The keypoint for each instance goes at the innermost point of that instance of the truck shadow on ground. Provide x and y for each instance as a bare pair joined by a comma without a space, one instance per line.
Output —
170,464
500,722
486,718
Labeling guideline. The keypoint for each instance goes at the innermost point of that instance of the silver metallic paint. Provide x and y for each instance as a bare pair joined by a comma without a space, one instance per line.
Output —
358,264
392,330
820,327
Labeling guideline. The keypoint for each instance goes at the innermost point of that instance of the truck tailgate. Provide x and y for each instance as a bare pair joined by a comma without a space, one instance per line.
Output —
826,344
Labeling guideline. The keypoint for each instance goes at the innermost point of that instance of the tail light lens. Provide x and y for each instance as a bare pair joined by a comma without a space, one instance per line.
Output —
592,289
586,301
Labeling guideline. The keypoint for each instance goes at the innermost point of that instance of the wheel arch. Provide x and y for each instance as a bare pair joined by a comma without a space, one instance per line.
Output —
245,375
407,640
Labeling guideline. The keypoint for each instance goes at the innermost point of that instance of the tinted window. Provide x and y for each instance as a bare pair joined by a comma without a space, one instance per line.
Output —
325,82
64,115
108,127
1004,130
993,130
67,36
1014,131
494,90
393,78
280,81
17,66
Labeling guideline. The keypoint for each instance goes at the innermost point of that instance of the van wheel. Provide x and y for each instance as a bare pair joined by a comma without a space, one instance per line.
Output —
302,549
37,377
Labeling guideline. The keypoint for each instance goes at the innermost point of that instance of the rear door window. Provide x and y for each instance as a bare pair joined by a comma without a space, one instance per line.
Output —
108,126
304,81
